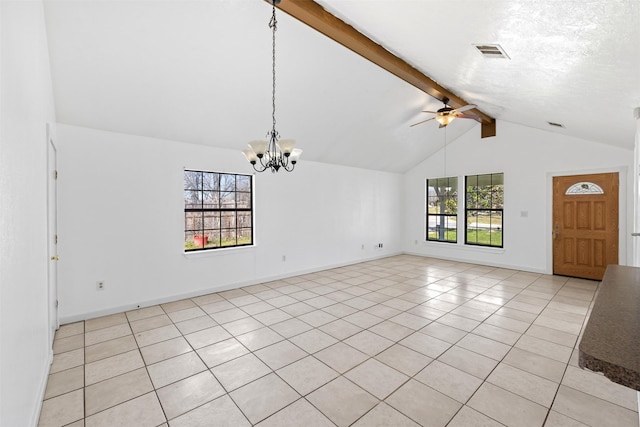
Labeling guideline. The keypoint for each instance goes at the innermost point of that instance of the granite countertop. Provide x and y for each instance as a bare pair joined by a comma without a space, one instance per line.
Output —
611,340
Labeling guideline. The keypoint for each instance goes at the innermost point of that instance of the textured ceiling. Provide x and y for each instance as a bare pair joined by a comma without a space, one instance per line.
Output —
200,71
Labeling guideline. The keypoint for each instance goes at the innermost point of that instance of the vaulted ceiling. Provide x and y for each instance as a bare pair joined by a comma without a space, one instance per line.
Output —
200,72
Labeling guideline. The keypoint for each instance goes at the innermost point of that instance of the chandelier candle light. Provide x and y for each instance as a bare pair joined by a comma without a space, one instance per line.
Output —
276,153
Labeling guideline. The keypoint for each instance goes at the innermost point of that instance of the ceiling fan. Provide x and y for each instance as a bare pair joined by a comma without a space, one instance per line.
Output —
446,114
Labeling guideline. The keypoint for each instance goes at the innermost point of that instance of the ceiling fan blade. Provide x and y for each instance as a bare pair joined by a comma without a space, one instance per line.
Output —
467,116
427,111
465,108
419,123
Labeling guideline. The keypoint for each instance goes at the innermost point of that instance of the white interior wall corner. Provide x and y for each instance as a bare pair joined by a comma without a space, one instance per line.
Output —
26,106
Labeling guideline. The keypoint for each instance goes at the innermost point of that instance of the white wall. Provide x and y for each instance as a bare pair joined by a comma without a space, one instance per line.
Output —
121,220
26,105
529,158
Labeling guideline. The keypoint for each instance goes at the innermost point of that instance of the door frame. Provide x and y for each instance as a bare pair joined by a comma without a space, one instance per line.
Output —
624,189
52,226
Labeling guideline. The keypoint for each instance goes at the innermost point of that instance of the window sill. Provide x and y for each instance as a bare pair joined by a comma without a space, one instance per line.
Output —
220,251
461,246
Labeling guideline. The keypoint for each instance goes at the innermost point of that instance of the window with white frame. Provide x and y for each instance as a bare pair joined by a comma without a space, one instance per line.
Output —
218,210
442,209
484,209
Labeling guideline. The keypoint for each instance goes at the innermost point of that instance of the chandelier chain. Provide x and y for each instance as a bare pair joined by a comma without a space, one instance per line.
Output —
273,24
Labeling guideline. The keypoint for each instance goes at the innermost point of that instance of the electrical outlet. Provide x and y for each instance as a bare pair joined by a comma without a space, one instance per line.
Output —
284,258
100,285
363,246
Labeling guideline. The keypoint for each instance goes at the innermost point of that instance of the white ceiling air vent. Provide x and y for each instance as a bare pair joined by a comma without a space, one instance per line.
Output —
557,125
492,51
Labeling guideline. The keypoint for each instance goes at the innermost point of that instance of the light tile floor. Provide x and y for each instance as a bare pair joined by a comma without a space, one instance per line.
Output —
401,341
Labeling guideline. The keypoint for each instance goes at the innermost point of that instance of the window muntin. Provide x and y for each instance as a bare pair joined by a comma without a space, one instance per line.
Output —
442,209
484,209
218,210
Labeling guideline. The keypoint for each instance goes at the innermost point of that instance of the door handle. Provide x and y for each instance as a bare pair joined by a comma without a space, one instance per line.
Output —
55,258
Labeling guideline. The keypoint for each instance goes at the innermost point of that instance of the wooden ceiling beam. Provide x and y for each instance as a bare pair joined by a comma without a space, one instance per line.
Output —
314,15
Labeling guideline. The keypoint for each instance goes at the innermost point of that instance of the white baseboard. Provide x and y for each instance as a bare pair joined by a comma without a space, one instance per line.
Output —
484,263
235,285
42,389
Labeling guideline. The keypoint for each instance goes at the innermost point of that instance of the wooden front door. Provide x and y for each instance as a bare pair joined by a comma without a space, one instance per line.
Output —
585,224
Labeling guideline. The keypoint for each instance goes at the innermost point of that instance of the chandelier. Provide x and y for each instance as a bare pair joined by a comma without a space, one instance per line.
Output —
276,153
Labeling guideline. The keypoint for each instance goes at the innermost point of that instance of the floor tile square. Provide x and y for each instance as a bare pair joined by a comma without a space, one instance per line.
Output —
196,324
70,329
529,386
450,381
384,415
506,407
264,397
369,343
535,364
143,411
341,357
468,361
62,410
221,412
242,326
64,345
484,346
299,413
240,371
112,366
425,344
544,348
291,327
109,348
64,382
601,387
171,370
340,329
280,354
221,352
391,330
443,332
149,323
317,318
104,322
313,340
376,378
342,401
423,404
207,337
404,359
272,316
177,305
340,310
67,360
106,334
155,353
496,333
229,315
189,393
186,314
156,335
114,391
259,338
467,417
307,374
143,313
363,319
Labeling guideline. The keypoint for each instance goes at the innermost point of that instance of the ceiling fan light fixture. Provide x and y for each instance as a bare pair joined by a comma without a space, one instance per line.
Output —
445,119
